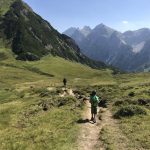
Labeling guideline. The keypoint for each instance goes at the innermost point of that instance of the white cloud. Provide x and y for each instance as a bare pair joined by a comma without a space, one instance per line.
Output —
125,22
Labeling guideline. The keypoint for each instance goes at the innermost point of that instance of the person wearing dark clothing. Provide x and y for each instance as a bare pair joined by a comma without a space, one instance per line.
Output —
65,82
94,100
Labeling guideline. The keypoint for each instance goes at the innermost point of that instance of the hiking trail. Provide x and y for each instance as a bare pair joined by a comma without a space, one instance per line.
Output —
90,134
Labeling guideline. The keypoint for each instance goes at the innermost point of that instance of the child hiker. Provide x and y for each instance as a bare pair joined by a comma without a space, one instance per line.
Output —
94,100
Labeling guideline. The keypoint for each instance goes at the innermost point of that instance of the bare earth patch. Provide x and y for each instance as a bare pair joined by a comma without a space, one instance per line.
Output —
91,135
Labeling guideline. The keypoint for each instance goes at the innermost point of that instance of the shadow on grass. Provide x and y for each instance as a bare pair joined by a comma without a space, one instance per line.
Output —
80,121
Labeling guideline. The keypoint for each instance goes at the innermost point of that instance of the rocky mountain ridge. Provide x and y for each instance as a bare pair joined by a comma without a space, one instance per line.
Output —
129,51
30,37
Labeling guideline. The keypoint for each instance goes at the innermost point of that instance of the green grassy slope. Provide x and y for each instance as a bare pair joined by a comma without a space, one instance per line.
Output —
135,91
25,87
24,91
130,101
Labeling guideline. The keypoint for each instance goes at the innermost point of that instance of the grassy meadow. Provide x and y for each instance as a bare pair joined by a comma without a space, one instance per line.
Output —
25,89
33,115
130,106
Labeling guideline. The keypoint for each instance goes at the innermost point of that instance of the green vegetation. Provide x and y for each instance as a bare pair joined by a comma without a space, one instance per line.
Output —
5,6
130,110
32,113
130,103
30,37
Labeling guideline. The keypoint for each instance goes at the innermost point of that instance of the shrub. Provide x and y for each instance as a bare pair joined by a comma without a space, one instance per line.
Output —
103,103
125,102
143,101
128,111
131,94
118,103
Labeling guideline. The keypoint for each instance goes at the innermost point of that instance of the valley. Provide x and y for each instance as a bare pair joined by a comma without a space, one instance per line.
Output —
38,113
27,87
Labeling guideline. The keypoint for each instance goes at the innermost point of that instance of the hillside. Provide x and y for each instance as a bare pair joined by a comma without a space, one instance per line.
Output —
37,112
33,107
30,37
4,6
25,89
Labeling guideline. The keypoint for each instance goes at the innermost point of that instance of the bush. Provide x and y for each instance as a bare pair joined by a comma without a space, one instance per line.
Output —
118,103
103,103
143,101
128,111
125,102
131,94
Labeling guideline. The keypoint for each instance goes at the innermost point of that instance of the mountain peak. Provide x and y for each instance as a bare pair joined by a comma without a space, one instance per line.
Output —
103,26
16,4
86,30
19,4
103,30
70,31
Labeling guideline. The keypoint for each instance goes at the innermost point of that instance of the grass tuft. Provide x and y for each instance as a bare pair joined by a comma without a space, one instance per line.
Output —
130,110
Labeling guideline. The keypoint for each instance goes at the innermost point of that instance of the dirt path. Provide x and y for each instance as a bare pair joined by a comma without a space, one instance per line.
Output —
90,135
66,92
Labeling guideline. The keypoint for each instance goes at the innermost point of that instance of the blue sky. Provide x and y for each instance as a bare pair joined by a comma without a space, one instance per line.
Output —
121,15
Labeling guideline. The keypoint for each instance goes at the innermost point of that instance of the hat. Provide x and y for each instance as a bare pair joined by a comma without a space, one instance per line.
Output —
94,92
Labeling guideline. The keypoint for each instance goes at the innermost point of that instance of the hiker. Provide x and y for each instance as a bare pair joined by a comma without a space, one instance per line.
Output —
65,82
94,100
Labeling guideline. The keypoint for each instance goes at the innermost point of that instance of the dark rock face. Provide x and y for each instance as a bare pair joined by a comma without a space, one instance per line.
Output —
128,51
32,37
28,56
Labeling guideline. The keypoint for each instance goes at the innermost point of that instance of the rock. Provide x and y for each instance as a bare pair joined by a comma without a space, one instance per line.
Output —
28,57
131,94
143,101
45,107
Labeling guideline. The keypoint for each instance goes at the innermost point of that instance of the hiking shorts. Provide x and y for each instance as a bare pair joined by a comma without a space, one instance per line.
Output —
93,109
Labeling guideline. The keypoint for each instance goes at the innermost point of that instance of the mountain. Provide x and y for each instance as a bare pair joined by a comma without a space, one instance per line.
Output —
4,6
30,37
70,31
78,34
105,44
128,51
86,30
137,39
